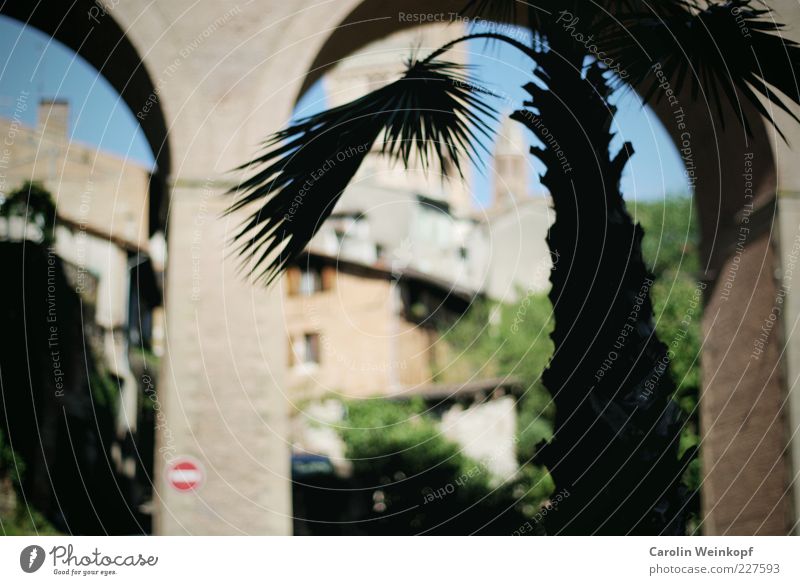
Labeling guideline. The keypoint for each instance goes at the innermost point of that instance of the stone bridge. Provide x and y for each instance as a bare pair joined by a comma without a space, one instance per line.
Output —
208,80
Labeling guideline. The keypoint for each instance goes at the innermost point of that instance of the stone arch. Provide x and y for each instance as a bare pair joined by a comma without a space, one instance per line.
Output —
89,29
737,503
104,43
102,39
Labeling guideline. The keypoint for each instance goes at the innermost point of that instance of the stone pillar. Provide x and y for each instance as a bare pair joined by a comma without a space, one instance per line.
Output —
745,474
220,390
745,486
789,247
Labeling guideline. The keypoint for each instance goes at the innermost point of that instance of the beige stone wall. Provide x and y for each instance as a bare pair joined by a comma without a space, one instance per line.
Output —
745,471
366,348
104,192
227,73
788,313
416,351
353,320
383,62
103,205
220,390
487,433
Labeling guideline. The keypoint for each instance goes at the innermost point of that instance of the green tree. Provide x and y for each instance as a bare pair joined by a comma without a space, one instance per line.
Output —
15,519
412,480
511,339
672,253
506,340
35,204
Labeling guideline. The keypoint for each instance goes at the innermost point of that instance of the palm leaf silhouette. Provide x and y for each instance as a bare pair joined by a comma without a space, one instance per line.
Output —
731,50
433,112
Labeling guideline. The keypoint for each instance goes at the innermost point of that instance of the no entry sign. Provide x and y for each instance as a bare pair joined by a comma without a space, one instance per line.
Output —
185,474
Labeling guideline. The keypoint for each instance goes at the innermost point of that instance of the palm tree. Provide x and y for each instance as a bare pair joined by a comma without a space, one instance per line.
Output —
615,446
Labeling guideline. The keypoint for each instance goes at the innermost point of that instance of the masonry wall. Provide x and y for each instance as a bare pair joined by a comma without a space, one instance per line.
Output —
366,347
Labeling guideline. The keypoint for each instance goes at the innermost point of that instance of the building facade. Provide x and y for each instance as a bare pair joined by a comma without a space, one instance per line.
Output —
99,233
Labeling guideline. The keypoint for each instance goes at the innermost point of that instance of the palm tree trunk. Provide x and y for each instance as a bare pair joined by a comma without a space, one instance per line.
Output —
616,434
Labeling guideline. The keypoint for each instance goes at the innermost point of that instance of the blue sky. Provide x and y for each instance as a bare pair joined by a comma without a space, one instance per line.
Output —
46,69
654,171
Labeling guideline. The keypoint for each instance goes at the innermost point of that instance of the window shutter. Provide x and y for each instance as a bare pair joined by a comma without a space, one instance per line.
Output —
312,339
293,280
328,277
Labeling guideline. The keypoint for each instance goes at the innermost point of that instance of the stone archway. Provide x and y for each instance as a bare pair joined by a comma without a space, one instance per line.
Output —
93,33
743,403
88,187
227,75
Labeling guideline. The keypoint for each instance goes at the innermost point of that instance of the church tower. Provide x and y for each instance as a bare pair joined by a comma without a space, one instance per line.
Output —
512,170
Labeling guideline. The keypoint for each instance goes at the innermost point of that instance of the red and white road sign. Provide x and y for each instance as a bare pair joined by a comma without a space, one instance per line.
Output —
185,474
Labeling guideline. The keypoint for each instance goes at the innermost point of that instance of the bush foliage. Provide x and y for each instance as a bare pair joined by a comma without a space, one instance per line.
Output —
406,467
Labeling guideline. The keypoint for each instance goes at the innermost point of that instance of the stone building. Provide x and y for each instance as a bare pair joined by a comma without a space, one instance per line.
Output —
360,330
403,254
102,229
516,223
101,235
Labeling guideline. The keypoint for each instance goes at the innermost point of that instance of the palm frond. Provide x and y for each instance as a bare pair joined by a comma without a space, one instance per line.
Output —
663,7
434,111
731,50
542,16
498,10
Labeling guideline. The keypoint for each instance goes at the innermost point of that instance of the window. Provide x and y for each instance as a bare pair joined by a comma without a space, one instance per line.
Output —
307,280
305,350
340,235
310,281
311,348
